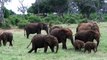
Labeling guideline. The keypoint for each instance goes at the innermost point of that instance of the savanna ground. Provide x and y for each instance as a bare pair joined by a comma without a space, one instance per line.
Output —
19,50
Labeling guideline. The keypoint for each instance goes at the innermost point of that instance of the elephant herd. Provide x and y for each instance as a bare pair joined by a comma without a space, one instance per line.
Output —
85,35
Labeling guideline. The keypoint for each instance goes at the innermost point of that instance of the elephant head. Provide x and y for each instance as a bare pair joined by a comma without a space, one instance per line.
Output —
44,27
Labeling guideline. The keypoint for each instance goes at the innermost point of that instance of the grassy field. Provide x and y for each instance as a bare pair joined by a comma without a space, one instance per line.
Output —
19,50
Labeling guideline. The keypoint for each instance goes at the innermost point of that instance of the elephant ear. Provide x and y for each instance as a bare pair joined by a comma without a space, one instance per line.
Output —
66,32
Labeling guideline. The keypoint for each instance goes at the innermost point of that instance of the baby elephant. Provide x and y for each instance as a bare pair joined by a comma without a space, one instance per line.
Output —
78,44
90,46
6,37
43,41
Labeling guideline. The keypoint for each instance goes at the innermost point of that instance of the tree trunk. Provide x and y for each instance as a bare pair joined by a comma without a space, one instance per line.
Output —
2,12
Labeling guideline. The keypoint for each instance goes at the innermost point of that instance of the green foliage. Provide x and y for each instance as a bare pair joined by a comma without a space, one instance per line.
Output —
14,19
52,19
33,18
7,12
22,23
48,6
5,25
87,7
22,20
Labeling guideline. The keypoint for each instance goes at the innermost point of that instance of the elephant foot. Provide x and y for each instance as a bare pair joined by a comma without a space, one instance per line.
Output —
30,51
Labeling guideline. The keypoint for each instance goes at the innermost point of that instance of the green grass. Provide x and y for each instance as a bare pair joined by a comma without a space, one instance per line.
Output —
19,50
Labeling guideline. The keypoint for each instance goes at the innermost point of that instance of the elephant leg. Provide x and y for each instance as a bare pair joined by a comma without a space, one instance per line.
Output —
89,51
0,42
84,50
4,42
31,50
27,35
45,49
52,48
11,43
35,50
64,44
39,32
94,50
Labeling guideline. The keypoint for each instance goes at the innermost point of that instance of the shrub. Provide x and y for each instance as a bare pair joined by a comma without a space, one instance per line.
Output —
34,18
52,18
5,25
22,23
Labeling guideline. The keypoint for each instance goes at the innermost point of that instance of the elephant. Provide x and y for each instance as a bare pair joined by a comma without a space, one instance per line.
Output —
6,37
62,34
43,41
78,44
90,46
87,35
35,28
53,27
88,26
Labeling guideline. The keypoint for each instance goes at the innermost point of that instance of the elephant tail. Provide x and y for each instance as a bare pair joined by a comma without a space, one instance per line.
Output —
29,44
57,47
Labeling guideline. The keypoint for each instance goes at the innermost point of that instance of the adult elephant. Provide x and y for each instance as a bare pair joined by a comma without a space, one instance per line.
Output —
6,37
87,35
53,27
62,34
35,28
88,26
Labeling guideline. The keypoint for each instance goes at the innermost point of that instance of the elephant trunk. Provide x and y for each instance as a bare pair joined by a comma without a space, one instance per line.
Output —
72,42
97,38
97,41
57,47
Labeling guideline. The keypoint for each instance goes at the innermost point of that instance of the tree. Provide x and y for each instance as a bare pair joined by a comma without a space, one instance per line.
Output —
2,2
87,7
48,6
7,12
22,8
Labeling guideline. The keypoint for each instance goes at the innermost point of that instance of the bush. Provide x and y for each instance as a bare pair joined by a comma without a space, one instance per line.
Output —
22,20
14,19
22,23
33,18
52,18
5,25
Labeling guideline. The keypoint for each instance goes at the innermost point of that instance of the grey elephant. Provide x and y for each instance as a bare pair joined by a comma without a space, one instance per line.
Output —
62,34
43,41
35,28
6,37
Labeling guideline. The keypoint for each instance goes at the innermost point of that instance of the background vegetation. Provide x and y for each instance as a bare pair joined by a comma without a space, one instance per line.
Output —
21,20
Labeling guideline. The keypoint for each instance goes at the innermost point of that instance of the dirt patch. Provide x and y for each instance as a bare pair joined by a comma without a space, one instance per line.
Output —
11,30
